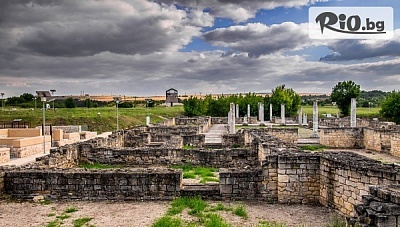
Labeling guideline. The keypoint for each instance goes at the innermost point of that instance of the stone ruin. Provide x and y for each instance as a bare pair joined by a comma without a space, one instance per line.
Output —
262,164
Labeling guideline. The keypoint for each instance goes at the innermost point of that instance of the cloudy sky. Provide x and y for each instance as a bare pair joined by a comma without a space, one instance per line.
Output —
141,47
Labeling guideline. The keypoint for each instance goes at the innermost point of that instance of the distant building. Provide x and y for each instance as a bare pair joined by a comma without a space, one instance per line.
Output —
171,97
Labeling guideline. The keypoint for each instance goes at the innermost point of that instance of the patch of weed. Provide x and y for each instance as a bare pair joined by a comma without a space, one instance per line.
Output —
337,221
240,211
219,207
208,179
63,216
189,175
71,210
167,221
270,224
51,215
312,147
214,220
54,223
81,221
45,202
196,205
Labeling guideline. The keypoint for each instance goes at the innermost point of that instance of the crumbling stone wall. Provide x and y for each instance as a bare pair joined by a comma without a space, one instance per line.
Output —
145,157
377,139
381,208
345,177
124,184
341,137
4,155
395,144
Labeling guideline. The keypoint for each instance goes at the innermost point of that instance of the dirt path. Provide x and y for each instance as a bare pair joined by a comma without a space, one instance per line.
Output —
114,214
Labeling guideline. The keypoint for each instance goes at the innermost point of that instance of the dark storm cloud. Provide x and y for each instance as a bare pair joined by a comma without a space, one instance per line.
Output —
84,28
344,50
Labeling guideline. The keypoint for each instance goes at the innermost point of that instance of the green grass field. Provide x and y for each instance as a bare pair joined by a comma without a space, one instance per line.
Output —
105,121
361,112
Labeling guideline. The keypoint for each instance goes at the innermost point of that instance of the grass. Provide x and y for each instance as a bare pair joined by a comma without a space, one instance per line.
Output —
204,174
71,210
241,212
214,220
333,110
63,216
270,224
81,221
203,213
54,223
312,147
98,166
45,202
104,122
167,221
196,205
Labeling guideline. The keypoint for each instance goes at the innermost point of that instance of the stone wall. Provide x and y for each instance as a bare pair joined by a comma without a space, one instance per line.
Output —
377,139
123,184
361,122
298,178
395,144
4,155
194,140
341,137
346,177
243,184
25,151
145,157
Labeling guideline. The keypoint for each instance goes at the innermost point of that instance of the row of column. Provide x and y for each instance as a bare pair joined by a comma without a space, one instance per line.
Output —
302,118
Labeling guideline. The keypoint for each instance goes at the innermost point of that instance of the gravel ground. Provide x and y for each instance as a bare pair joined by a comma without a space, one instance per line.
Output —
114,214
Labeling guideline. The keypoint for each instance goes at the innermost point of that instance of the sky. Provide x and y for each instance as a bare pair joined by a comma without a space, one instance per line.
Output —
143,48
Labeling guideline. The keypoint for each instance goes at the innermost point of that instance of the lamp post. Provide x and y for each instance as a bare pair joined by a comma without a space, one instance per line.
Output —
43,99
2,101
52,92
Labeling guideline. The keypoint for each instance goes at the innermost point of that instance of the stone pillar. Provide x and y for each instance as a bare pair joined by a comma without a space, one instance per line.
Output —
248,110
237,110
315,119
148,120
305,119
283,120
261,112
232,117
300,116
353,115
245,120
270,112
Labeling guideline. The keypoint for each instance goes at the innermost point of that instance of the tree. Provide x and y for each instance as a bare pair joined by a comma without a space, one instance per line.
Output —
391,107
342,94
281,95
70,103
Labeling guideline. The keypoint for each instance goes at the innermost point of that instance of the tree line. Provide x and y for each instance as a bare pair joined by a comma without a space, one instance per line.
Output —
341,95
219,106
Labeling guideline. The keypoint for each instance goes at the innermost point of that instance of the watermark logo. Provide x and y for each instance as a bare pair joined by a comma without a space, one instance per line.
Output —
351,22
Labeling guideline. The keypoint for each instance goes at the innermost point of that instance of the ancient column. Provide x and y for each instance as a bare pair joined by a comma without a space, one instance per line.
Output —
315,119
232,118
270,112
248,111
237,110
283,121
300,115
261,112
353,115
305,119
148,120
